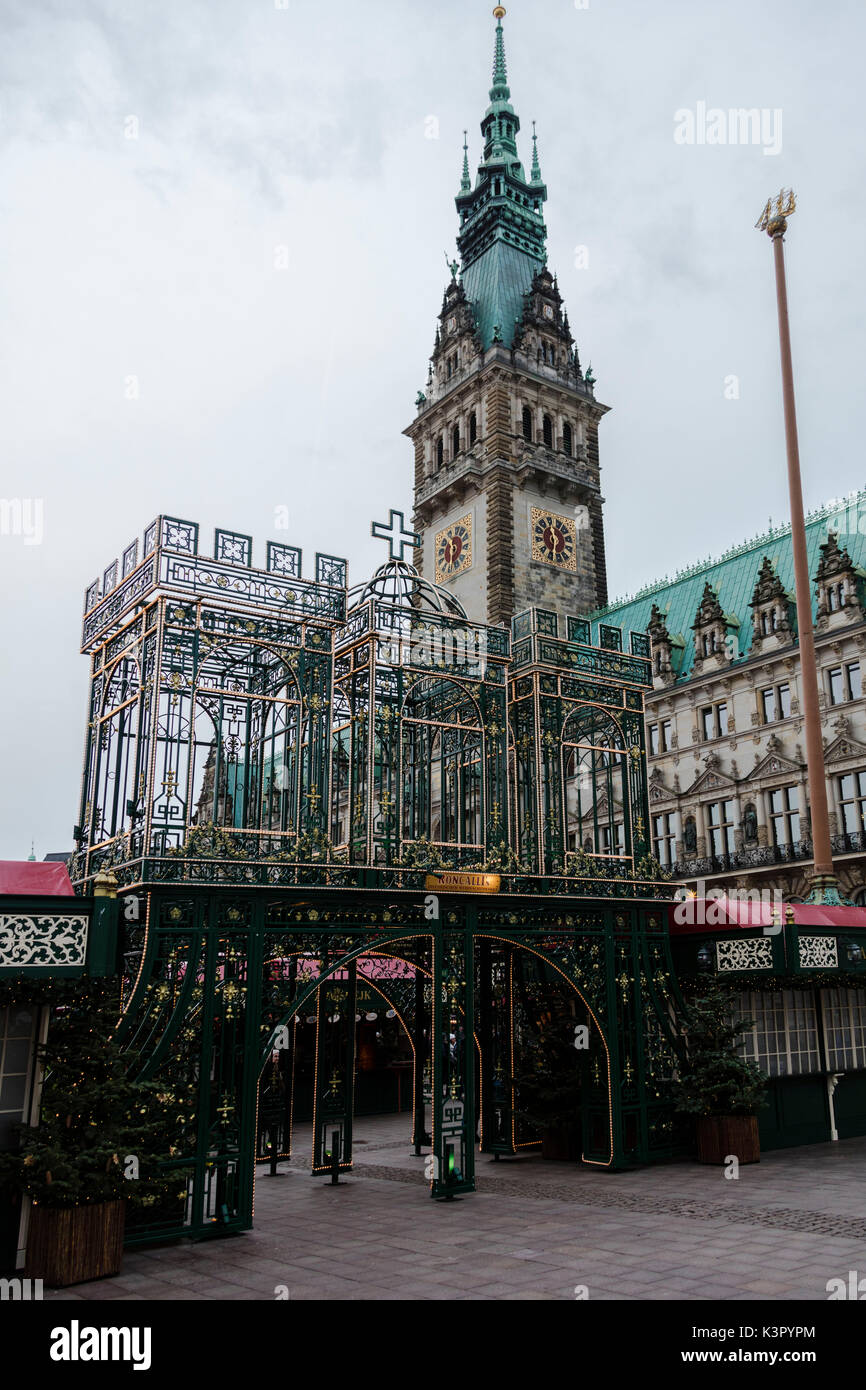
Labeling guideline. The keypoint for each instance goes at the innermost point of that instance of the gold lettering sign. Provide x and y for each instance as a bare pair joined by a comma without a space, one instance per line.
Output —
464,883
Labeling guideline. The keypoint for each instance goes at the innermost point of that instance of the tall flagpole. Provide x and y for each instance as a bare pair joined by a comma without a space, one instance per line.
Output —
825,888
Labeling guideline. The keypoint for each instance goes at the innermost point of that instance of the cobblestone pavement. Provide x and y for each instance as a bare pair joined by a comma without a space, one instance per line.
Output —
533,1230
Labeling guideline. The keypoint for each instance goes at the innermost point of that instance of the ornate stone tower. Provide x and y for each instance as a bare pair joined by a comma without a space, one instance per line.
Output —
507,493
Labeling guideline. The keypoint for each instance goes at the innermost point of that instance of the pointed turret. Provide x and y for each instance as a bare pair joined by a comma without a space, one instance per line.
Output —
536,167
466,181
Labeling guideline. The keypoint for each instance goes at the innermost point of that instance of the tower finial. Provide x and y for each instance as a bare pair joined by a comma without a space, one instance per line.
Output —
536,167
500,90
466,182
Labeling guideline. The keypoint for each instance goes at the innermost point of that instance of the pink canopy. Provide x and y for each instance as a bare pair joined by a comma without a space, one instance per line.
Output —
28,879
728,914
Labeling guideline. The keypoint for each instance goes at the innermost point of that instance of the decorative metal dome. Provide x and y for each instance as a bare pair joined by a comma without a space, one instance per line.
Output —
399,585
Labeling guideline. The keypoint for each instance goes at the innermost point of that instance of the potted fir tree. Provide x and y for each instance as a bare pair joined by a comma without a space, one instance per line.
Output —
97,1145
719,1086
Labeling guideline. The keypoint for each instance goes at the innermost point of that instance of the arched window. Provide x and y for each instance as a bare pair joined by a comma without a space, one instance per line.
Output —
567,440
246,743
455,441
473,428
120,761
440,452
595,773
527,423
548,432
442,768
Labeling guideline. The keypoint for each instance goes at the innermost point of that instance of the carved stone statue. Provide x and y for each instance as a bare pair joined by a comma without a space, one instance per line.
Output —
750,824
690,835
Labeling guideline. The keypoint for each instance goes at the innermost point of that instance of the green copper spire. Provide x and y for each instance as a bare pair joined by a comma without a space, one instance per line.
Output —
500,90
466,181
502,231
536,167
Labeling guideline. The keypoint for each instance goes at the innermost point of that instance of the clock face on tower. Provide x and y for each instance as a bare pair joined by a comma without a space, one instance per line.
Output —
554,539
454,549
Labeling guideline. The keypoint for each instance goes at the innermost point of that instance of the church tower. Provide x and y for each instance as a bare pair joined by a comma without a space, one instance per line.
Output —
507,493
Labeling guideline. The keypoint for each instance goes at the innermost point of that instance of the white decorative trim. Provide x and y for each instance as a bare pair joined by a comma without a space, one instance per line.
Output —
818,952
29,941
756,953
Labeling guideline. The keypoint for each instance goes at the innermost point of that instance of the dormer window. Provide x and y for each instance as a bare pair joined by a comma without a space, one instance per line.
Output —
711,627
839,581
769,622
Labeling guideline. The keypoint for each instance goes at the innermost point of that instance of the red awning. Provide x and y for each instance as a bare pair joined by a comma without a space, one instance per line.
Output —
729,914
29,879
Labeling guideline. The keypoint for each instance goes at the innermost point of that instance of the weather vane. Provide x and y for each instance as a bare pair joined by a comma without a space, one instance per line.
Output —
773,220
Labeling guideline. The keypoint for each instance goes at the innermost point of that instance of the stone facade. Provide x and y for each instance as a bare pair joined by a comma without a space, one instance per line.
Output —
727,773
493,467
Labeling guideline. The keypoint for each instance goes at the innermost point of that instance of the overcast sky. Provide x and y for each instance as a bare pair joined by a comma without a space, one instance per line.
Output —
238,204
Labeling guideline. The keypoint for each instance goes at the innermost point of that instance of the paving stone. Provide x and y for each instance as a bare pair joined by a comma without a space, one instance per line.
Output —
532,1232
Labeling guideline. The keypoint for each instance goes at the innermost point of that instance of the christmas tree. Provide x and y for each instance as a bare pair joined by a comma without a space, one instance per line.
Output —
101,1134
716,1079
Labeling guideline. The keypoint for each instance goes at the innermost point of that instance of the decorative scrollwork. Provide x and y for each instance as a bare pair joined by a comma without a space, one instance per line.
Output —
818,952
58,939
754,954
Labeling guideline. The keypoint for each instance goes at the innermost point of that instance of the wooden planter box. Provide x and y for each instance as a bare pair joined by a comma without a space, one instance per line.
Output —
69,1245
720,1136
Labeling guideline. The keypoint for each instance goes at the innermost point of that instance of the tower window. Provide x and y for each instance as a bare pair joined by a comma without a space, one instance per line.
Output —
527,423
455,442
440,452
567,441
473,428
548,432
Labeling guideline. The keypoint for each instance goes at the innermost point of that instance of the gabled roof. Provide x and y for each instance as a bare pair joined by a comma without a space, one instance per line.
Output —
733,577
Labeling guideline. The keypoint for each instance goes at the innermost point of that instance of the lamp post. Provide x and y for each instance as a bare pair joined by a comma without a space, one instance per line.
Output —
825,889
